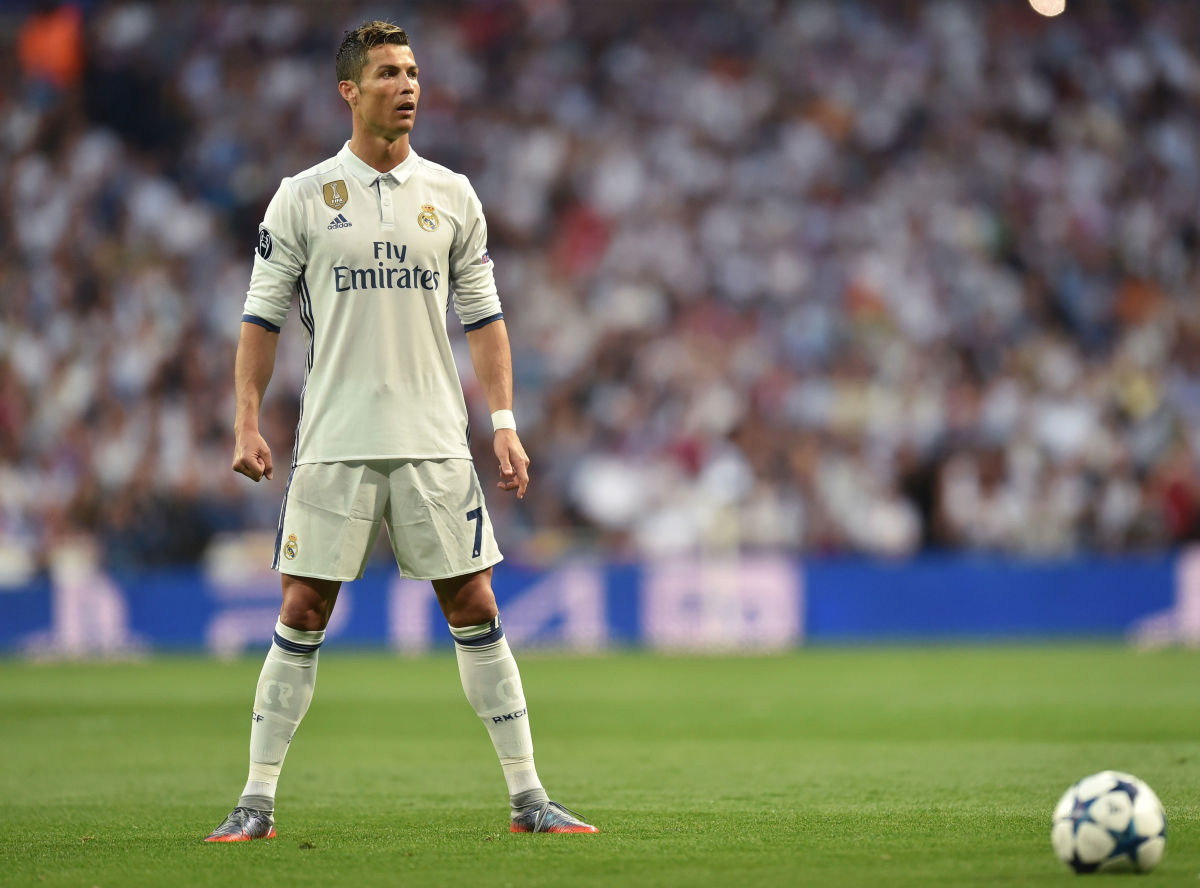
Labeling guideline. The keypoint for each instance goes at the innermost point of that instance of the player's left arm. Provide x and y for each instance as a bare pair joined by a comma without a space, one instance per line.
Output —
473,285
491,357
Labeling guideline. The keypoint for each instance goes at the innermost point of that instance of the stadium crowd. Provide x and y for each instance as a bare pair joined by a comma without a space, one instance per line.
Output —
830,277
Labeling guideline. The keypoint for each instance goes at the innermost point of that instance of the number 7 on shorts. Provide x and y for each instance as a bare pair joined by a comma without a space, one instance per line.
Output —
476,515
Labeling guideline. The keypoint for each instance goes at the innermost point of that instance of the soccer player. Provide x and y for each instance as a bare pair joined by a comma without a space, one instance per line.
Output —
375,241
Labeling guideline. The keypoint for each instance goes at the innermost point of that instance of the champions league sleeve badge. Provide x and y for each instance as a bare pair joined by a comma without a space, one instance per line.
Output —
265,243
428,218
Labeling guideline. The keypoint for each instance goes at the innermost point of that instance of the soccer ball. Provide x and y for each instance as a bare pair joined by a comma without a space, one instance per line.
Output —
1109,821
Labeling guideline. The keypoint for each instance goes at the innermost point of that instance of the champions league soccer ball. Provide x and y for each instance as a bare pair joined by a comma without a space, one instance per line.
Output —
1109,821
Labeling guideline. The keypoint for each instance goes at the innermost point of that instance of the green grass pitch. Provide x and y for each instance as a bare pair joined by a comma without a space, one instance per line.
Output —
875,767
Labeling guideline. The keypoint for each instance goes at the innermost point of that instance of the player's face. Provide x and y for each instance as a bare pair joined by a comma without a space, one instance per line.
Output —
388,92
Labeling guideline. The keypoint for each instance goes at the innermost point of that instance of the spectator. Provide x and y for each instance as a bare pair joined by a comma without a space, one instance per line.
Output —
819,277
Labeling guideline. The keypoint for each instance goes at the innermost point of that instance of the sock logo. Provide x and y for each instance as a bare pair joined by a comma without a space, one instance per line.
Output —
283,693
508,690
507,717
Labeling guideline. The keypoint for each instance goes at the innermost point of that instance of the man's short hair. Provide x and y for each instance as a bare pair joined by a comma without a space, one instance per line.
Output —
352,54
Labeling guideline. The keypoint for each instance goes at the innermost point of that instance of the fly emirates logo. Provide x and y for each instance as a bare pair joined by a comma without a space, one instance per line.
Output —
389,274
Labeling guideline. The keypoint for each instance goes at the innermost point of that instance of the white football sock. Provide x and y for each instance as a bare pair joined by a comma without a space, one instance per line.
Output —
493,687
285,688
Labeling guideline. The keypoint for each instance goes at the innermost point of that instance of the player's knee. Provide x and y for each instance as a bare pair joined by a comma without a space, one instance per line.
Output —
303,616
467,601
473,612
308,613
307,604
473,606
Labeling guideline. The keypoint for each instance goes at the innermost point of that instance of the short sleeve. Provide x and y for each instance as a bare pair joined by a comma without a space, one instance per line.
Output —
280,255
471,274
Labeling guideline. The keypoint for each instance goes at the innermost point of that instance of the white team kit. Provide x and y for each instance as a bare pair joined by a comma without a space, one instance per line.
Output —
373,259
376,260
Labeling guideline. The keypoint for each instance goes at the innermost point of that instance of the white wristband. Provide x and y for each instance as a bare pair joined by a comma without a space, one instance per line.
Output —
503,419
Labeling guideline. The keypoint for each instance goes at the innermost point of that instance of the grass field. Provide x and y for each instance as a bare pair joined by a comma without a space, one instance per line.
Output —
896,767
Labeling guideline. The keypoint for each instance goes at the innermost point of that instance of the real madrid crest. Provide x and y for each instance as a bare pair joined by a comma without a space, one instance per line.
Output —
336,195
428,218
291,548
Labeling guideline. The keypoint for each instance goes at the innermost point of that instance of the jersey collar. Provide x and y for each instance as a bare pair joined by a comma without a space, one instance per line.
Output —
367,174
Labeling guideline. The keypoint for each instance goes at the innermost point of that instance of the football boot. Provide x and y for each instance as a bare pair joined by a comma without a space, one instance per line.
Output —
549,817
244,824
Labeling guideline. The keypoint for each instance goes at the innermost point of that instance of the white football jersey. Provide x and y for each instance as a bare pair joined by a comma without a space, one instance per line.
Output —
372,258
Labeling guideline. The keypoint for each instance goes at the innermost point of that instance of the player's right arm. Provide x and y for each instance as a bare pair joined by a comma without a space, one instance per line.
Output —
278,264
252,371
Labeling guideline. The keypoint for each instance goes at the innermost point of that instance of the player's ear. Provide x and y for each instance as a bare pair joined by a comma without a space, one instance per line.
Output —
349,91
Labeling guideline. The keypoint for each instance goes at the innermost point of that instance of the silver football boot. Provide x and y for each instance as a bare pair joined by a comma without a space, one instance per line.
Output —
244,824
549,817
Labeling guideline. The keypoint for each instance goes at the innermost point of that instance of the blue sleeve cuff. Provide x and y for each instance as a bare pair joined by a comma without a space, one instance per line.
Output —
266,325
498,316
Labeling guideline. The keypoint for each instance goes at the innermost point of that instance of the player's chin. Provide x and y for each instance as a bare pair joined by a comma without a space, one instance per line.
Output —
393,130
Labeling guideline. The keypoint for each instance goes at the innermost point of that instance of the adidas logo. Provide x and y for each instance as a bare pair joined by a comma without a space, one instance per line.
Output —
339,221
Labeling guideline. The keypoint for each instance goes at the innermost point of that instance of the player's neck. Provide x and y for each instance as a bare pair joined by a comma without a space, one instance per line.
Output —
378,153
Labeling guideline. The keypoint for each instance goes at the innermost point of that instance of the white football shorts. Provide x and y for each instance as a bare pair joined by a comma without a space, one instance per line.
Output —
433,508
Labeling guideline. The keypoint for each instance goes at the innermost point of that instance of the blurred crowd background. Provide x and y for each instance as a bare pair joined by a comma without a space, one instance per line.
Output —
839,276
